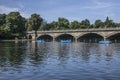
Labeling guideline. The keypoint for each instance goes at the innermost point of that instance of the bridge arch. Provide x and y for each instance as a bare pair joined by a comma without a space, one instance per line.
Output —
64,37
114,37
45,37
90,37
29,37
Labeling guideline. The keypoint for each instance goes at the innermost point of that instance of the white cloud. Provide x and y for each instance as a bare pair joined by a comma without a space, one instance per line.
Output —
102,8
25,14
99,5
5,9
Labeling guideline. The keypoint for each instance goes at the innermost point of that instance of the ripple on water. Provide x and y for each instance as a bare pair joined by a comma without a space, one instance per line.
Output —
55,61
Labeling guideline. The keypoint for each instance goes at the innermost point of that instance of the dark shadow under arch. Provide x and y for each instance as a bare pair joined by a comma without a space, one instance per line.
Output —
114,38
64,37
90,37
46,38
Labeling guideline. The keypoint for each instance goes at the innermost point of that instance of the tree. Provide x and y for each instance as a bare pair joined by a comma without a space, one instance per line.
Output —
98,24
108,23
75,25
117,24
53,25
35,22
85,23
44,26
2,19
16,23
63,23
6,32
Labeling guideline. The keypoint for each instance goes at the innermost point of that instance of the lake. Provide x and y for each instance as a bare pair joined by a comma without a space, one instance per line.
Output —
58,61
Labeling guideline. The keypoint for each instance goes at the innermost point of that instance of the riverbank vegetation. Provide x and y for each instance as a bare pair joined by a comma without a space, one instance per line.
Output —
14,25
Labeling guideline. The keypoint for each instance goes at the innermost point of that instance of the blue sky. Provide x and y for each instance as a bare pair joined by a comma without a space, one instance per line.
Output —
79,10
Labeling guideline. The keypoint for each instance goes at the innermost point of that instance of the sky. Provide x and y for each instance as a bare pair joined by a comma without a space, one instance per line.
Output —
51,10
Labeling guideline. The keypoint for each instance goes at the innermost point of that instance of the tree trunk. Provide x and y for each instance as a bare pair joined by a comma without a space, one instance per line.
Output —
35,35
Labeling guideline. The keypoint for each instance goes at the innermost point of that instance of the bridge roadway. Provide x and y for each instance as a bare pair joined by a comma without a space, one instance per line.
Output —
112,34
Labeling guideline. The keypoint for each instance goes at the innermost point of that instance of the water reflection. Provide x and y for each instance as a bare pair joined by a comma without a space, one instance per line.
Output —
107,51
36,53
45,60
11,54
14,54
63,51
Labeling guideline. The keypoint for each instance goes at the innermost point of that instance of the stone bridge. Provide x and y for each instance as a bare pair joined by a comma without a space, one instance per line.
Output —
81,35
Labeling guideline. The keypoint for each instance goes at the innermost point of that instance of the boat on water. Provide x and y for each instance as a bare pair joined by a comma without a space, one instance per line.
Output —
40,41
65,41
105,42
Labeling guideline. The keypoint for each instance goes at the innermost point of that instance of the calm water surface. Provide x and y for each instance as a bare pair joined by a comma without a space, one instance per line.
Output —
55,61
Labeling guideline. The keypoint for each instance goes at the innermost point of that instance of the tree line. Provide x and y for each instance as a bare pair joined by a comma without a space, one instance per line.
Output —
14,25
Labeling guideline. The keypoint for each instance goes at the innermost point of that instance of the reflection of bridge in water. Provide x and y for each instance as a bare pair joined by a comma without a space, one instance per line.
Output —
82,35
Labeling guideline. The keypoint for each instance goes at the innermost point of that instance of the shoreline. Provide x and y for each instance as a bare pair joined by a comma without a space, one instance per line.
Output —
13,40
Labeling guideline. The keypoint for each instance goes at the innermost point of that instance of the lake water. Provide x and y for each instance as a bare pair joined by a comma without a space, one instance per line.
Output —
56,61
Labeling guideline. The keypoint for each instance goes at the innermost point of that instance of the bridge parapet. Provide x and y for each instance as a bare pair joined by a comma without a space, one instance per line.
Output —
77,30
104,32
83,30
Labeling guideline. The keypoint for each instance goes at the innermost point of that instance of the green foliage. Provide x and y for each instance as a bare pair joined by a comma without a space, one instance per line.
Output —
16,23
2,19
75,25
92,26
85,23
63,23
53,25
35,22
5,28
44,26
6,32
98,24
29,28
108,23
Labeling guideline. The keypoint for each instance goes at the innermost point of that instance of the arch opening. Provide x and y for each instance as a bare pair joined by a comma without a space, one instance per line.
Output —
90,37
46,38
29,37
65,37
114,38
